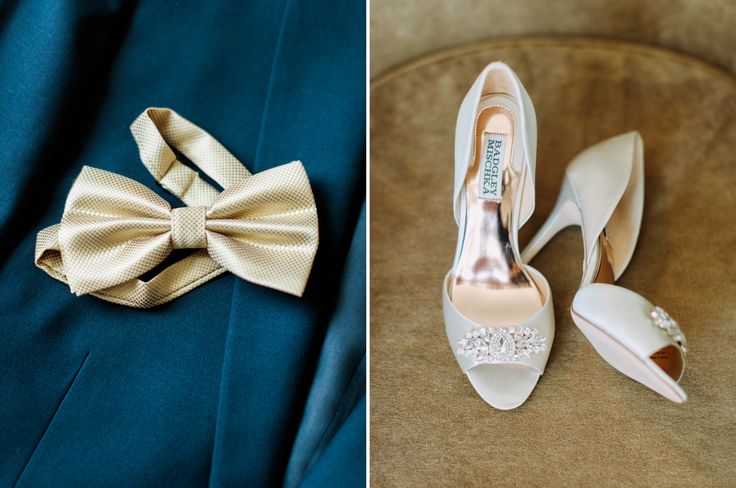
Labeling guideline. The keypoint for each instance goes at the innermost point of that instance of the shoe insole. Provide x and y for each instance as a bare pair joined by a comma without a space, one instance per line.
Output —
669,360
490,285
605,272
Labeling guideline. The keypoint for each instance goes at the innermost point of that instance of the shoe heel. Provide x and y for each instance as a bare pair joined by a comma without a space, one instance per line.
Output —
565,213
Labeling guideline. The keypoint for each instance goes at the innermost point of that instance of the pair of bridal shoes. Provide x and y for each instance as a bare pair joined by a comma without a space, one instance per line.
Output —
498,310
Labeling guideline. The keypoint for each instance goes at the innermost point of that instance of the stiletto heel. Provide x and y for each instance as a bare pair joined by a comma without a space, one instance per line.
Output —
604,185
498,311
603,193
565,213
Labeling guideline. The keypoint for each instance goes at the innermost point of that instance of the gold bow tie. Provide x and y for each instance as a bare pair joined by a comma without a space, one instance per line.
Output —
262,228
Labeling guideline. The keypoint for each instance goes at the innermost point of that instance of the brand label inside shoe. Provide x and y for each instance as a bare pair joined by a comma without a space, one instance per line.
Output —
491,174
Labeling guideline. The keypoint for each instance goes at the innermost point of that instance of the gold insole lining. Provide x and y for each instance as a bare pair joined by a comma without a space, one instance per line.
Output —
490,285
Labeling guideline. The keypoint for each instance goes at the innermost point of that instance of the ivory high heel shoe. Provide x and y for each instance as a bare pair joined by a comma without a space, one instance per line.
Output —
603,194
635,337
498,311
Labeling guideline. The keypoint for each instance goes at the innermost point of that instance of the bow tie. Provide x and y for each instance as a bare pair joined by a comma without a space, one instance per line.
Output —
262,229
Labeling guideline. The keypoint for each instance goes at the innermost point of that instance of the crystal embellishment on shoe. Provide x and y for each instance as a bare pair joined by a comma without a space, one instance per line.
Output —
663,321
501,344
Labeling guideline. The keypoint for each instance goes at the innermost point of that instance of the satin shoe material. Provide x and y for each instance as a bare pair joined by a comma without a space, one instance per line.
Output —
505,384
464,141
603,194
620,324
503,361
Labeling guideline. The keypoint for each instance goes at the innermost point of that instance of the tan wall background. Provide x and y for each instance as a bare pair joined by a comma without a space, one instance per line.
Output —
406,29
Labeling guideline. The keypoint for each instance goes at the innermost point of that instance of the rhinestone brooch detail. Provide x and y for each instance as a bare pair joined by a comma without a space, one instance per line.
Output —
501,344
663,321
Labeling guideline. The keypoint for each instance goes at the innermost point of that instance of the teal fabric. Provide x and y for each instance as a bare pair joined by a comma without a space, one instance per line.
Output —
232,384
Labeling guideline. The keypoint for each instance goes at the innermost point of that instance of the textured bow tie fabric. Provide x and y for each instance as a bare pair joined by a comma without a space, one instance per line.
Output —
262,228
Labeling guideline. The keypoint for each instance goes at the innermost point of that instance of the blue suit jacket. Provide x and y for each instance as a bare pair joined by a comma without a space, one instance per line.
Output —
231,384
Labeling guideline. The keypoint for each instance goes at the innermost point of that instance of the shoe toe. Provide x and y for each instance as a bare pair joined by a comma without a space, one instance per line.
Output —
503,386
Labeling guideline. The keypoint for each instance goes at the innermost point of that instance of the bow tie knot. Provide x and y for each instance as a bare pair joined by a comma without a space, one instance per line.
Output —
188,228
